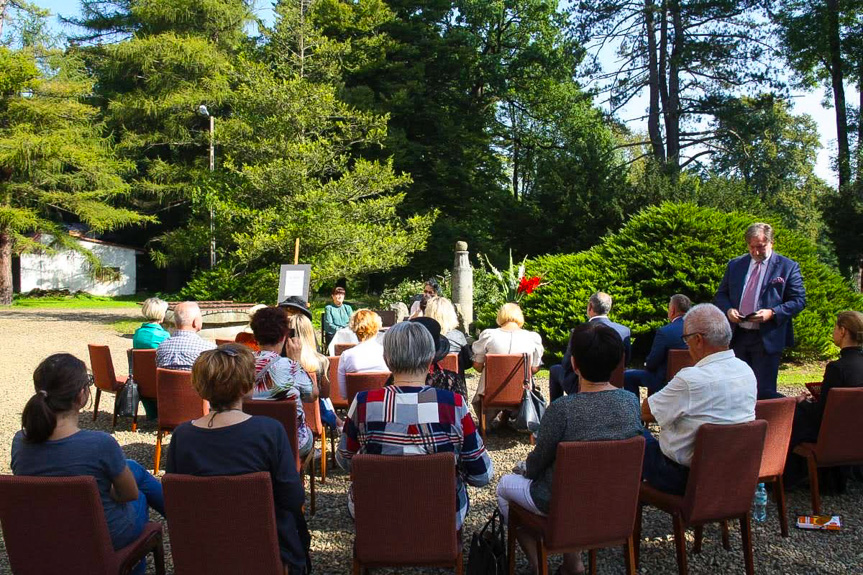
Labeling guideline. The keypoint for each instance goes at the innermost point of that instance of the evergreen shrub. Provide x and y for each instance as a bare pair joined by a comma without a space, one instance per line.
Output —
677,248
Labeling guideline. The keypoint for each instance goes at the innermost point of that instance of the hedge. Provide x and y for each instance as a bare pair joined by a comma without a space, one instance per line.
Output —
676,248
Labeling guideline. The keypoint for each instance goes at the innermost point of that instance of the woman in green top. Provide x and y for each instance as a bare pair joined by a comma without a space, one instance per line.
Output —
149,336
336,315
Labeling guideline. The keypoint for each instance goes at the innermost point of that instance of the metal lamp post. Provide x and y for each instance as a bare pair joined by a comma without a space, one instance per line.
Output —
202,110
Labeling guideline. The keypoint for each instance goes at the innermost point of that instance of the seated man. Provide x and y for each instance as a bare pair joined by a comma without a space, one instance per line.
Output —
562,378
667,337
719,389
182,349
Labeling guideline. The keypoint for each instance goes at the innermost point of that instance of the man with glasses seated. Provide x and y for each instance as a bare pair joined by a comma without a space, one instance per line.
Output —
719,388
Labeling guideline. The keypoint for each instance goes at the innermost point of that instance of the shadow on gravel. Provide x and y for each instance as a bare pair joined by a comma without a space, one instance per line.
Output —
66,315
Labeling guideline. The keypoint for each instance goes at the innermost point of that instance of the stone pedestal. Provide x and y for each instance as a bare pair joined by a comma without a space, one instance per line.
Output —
462,287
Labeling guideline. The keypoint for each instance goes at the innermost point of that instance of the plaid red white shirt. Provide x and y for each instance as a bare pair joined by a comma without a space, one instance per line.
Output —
418,421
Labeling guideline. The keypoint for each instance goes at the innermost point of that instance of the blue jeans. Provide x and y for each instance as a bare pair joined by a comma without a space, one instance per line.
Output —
660,471
149,495
328,416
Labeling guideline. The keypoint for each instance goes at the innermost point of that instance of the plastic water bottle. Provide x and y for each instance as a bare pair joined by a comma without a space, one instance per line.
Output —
759,505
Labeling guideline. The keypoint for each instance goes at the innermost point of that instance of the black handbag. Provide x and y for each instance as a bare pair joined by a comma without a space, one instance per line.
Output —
488,549
127,399
533,404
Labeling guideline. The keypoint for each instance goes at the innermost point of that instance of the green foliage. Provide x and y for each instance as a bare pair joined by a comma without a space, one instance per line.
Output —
224,283
676,248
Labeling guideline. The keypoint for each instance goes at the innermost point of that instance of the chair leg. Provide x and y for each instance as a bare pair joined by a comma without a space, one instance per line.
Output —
591,562
746,535
159,557
96,403
158,452
541,557
510,544
312,482
333,448
629,556
532,439
726,538
636,536
114,418
135,417
779,494
323,454
481,423
680,543
699,536
358,569
459,564
813,485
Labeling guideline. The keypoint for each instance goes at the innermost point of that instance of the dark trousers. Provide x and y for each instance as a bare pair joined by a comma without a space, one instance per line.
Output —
661,472
560,381
635,378
747,345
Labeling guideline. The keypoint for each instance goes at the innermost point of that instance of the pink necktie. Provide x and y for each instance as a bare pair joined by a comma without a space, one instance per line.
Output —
747,303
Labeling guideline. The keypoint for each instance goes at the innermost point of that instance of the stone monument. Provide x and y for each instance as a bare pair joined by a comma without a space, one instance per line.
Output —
462,287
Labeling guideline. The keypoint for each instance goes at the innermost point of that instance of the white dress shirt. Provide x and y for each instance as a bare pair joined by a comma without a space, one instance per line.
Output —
363,357
718,389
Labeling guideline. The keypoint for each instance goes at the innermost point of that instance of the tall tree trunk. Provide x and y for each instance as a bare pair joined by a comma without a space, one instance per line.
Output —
5,268
653,69
837,82
3,5
672,112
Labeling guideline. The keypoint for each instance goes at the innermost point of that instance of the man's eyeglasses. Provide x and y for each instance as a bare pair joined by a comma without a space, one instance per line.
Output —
686,336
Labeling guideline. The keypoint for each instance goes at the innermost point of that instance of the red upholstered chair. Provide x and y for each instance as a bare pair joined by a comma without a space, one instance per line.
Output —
247,340
450,362
223,341
312,411
339,402
616,378
779,415
144,374
504,384
222,525
722,480
582,516
677,360
104,377
365,381
178,403
341,347
57,525
410,500
840,439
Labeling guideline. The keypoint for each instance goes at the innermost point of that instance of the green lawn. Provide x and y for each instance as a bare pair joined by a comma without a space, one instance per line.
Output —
78,301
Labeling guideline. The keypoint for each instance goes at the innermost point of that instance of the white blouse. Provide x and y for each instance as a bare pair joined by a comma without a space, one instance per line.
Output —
363,357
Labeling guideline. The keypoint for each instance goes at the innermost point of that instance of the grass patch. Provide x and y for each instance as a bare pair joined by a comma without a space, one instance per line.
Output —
798,374
126,326
78,301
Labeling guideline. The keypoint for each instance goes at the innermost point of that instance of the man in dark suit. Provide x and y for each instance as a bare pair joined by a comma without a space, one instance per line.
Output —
760,293
561,377
667,337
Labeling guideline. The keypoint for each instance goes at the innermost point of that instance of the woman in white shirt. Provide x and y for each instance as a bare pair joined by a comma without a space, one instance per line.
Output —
509,338
366,356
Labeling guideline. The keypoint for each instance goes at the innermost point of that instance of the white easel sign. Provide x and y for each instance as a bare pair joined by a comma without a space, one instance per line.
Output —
294,280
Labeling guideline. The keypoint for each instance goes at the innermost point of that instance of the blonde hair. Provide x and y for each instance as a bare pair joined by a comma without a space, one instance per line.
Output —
365,323
442,311
310,359
224,375
510,312
154,309
853,322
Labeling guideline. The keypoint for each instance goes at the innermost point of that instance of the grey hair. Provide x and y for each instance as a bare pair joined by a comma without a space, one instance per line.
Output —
185,314
681,303
408,348
600,302
154,309
759,229
710,322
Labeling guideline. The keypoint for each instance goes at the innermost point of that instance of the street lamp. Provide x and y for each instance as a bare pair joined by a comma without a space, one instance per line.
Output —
202,110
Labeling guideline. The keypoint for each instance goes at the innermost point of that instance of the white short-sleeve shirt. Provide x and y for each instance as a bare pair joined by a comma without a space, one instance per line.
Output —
718,389
363,357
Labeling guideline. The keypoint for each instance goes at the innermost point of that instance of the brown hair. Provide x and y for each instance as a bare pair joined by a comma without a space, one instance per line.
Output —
365,323
853,322
58,381
269,324
224,375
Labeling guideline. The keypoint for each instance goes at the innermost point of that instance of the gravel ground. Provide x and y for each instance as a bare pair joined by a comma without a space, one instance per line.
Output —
27,336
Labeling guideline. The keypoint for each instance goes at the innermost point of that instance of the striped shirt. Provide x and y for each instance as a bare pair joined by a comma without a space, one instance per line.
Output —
418,421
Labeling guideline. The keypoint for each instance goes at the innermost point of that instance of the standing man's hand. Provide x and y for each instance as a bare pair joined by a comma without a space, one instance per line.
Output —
763,315
734,316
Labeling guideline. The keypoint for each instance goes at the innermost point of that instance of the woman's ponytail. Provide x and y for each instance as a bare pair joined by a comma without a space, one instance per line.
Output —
38,419
58,381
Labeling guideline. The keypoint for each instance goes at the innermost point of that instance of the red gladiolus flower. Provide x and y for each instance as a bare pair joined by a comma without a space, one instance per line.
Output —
527,285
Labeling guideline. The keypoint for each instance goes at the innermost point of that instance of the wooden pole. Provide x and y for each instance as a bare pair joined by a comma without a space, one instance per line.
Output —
297,252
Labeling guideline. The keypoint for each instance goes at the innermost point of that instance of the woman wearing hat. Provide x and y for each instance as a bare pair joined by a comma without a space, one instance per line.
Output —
336,315
437,376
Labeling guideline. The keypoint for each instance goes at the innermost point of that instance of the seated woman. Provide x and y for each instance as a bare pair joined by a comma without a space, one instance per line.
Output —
149,336
229,442
508,338
430,289
366,356
601,412
278,377
317,363
437,376
52,445
401,430
847,371
336,315
441,310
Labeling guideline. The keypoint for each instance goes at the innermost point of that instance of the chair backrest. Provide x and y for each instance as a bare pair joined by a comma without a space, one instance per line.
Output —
282,410
504,380
341,347
579,468
222,525
178,400
247,340
313,412
55,525
357,382
779,415
103,367
724,471
677,360
840,439
388,317
144,372
450,362
223,341
339,402
617,375
387,509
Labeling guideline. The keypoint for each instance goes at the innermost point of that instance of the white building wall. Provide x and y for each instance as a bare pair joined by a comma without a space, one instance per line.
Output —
69,270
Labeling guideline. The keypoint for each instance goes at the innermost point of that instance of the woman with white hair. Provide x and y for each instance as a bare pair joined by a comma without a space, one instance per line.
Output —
149,336
441,310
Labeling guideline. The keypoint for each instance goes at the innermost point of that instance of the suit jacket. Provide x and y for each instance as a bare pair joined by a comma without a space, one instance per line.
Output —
621,330
847,371
782,291
667,337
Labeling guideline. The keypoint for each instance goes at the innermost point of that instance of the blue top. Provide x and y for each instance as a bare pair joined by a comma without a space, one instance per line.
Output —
257,444
336,317
149,336
86,452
